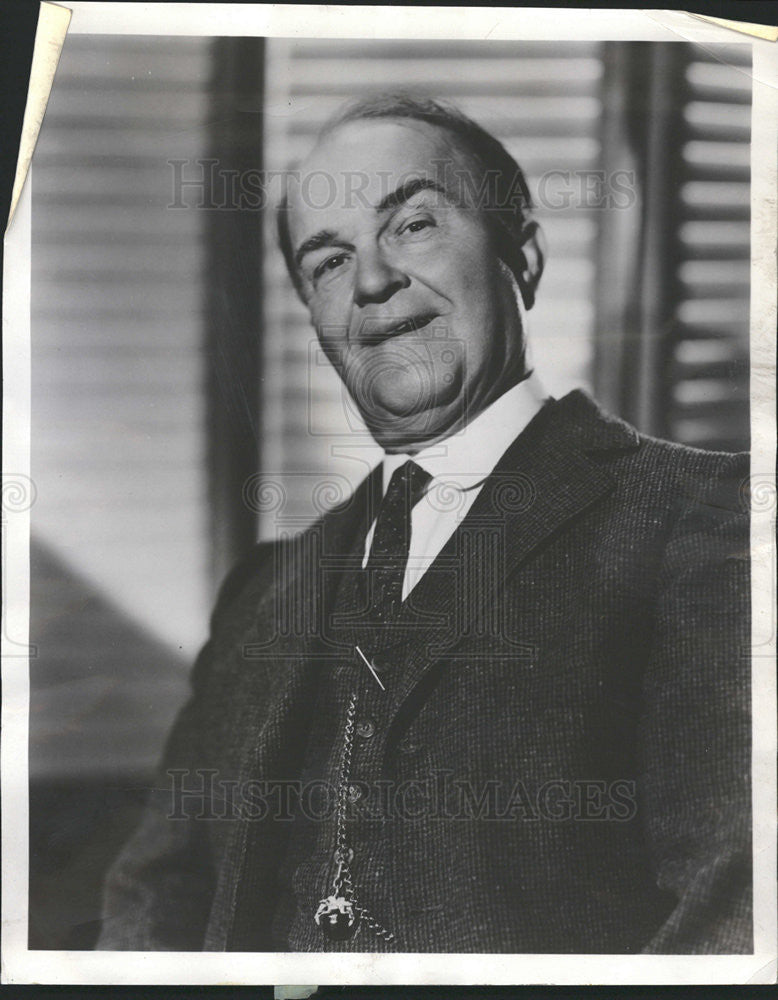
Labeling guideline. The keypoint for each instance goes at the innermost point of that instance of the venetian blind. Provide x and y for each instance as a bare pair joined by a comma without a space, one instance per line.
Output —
709,341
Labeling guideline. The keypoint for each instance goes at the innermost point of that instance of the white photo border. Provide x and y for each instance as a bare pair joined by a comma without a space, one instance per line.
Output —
21,965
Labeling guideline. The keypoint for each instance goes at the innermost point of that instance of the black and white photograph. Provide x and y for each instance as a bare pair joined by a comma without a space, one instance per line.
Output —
390,560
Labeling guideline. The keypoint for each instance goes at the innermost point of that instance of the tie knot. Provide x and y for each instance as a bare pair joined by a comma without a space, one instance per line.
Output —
409,482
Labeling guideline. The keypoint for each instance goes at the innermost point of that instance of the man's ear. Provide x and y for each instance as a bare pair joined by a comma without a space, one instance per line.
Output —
530,261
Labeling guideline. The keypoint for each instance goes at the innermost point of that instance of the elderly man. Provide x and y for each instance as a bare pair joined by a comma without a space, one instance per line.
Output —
513,715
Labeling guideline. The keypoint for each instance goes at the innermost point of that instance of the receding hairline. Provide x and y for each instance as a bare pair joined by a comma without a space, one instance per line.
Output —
409,121
455,142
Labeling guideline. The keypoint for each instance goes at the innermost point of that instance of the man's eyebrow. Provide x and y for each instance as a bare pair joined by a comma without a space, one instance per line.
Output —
401,194
407,190
324,238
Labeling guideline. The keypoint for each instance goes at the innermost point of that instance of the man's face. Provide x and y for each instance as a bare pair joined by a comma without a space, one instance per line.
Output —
407,295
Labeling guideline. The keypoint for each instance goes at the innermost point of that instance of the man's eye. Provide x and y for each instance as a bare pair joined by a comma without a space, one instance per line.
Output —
417,225
330,264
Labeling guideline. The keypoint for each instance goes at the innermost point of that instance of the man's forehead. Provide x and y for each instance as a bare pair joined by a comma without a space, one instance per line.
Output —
359,163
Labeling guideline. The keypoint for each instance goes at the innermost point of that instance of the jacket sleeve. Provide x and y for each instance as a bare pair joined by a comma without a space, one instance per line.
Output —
695,733
157,895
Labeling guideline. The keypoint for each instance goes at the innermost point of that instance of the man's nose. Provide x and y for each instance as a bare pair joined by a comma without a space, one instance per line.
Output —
377,279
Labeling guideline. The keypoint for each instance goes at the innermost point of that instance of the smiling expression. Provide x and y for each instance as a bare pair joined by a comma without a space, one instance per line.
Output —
408,297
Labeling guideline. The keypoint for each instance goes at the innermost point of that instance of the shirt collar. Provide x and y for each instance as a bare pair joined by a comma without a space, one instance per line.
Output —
466,458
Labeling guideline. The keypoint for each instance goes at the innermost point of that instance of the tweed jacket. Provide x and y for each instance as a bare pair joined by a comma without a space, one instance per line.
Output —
580,687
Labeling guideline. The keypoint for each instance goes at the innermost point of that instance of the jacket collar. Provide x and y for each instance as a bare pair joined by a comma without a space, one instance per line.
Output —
464,459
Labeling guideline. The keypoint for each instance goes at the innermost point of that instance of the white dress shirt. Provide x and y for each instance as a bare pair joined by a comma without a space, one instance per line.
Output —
458,466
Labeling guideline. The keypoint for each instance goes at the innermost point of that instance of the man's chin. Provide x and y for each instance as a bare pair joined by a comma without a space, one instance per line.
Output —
401,431
403,405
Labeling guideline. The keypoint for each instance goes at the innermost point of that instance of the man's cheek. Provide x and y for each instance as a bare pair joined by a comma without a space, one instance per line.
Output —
451,276
330,306
333,339
323,320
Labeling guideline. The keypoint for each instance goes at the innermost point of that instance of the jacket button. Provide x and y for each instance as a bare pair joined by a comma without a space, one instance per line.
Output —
365,728
354,793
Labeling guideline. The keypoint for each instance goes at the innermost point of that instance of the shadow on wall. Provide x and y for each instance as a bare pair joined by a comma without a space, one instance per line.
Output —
102,697
103,692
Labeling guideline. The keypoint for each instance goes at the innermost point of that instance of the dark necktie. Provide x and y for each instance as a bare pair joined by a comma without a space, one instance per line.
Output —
392,539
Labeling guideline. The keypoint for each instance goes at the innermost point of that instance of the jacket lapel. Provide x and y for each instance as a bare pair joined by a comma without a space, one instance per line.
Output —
547,477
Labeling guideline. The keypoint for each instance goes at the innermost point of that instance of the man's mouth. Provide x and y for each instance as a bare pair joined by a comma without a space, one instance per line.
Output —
376,332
